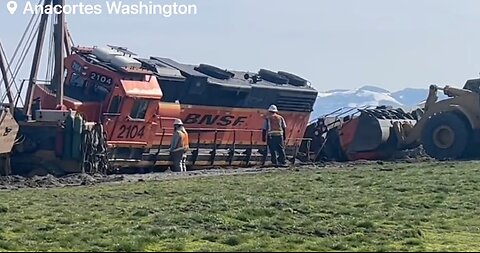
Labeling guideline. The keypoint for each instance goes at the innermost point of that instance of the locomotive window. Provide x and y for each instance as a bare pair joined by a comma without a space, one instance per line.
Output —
78,80
115,105
139,109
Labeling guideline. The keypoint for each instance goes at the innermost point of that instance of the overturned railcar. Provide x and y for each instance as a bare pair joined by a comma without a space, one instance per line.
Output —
367,133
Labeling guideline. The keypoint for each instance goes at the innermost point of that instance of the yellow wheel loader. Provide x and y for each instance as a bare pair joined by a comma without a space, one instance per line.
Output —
448,128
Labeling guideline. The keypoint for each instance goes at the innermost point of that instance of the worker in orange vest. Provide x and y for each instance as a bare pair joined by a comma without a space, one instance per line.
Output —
274,133
179,147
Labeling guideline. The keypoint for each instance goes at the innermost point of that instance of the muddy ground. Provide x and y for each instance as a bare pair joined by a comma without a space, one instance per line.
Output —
49,181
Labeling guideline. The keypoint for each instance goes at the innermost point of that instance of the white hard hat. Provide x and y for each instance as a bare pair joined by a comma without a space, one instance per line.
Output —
273,108
178,122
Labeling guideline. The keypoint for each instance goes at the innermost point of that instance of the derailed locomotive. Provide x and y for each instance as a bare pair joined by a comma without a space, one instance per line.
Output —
134,101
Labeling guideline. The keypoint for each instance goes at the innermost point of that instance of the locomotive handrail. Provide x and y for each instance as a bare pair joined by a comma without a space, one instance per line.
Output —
222,130
130,119
159,146
111,114
300,139
325,115
196,144
139,143
340,112
211,130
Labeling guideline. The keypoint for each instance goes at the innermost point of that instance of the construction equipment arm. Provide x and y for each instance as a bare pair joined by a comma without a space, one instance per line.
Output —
432,97
454,92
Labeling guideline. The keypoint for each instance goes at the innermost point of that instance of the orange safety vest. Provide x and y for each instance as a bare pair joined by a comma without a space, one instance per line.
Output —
275,125
183,143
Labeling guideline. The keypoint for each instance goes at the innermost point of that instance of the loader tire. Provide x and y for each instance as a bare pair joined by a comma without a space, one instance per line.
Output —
446,136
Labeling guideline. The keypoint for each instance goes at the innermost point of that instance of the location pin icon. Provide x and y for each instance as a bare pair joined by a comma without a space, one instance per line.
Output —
12,7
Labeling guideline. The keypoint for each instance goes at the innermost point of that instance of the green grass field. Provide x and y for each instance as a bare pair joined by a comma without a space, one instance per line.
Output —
401,207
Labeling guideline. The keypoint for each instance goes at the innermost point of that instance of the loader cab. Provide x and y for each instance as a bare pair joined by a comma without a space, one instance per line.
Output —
473,85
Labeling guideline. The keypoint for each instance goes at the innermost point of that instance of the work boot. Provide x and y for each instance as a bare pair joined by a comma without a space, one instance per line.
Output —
273,159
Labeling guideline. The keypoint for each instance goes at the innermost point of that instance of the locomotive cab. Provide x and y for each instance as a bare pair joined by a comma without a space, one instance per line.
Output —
132,112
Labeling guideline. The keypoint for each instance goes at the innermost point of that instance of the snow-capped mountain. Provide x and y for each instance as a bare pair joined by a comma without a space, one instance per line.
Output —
330,101
411,96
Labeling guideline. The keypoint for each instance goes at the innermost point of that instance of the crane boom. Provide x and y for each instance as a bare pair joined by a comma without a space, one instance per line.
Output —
59,34
36,62
3,70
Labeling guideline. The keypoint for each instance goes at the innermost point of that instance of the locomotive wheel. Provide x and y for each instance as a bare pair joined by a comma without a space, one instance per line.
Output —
446,136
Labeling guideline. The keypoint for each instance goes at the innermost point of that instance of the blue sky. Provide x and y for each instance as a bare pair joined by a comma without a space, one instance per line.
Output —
333,43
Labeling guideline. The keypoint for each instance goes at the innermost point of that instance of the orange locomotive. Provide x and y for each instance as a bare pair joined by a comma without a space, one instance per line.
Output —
137,101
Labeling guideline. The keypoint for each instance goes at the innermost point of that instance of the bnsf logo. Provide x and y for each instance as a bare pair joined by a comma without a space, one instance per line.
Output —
218,120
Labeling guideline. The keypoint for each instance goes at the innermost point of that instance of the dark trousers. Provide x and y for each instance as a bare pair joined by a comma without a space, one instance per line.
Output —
179,161
276,146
